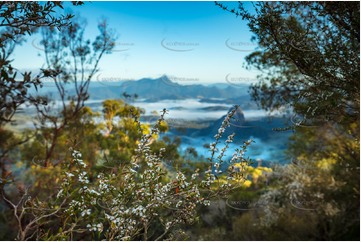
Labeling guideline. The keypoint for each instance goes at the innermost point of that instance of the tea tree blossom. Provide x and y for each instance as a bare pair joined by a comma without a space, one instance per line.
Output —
127,203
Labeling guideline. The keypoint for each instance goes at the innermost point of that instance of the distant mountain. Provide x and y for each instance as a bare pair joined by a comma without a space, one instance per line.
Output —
163,88
153,90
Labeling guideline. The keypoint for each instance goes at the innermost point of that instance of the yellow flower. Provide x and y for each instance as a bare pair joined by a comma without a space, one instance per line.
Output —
247,184
326,164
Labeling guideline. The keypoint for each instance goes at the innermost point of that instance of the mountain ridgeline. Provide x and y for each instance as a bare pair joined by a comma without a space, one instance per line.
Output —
163,88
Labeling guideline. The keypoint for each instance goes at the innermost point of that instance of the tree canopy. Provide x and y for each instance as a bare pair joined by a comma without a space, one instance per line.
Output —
309,58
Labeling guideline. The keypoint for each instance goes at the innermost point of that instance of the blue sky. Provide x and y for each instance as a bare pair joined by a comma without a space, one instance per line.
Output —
152,36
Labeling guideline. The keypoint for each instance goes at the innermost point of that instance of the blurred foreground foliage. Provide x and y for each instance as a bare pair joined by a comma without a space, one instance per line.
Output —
309,57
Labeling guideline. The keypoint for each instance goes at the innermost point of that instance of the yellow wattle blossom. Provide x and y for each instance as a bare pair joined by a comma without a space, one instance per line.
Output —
246,184
326,163
266,169
253,173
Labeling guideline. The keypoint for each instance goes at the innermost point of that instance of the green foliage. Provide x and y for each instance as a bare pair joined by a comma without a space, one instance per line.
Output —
75,66
135,199
309,56
17,20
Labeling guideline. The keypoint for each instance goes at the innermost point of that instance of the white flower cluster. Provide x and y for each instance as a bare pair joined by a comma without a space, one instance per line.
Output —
79,179
95,227
129,200
215,169
77,158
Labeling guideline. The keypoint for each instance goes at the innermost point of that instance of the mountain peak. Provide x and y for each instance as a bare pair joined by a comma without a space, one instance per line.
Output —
164,87
165,79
